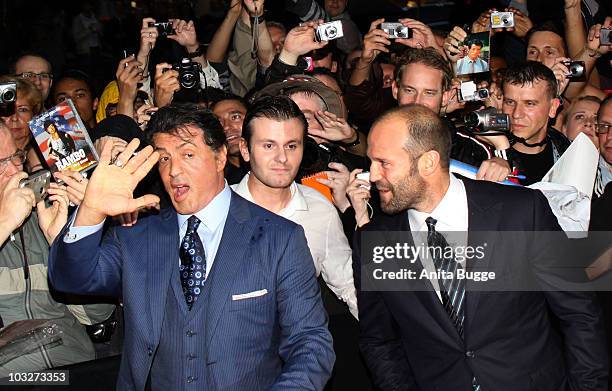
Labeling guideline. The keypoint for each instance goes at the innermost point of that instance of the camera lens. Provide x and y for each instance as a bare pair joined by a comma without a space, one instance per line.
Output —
472,120
483,93
8,96
331,32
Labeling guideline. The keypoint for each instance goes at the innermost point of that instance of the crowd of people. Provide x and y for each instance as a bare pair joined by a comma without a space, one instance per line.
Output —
222,239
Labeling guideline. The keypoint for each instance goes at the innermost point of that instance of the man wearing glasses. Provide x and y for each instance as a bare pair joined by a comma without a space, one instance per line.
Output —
26,230
36,69
604,122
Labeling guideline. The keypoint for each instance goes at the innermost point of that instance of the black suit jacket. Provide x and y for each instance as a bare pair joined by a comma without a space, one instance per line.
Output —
514,340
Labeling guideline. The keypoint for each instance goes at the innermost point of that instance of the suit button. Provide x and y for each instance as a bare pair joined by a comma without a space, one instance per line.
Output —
470,354
191,356
191,333
191,379
149,351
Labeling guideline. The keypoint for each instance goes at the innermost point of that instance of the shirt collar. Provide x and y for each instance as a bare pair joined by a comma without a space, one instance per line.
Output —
451,211
214,213
297,202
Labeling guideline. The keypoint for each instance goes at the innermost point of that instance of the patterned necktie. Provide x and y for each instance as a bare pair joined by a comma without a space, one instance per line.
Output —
193,262
452,289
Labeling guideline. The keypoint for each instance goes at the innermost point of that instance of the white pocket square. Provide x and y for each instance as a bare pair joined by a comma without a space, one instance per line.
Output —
250,295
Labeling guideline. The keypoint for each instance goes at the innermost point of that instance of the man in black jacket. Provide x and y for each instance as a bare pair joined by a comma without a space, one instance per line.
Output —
456,337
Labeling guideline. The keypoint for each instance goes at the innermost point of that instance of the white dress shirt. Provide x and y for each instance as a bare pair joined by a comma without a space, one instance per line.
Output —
210,230
326,240
451,215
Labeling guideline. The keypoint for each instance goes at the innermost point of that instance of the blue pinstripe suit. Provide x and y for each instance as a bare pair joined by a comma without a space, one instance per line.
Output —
276,341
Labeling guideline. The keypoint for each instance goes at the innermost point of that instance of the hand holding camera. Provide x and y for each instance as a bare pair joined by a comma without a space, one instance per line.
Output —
599,38
128,75
16,203
299,41
416,34
374,42
358,192
148,37
52,219
166,84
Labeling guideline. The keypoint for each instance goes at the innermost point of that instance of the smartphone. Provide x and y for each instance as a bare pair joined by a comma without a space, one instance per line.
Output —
39,183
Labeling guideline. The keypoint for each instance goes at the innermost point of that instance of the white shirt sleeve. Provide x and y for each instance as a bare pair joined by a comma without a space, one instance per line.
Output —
211,77
75,234
337,267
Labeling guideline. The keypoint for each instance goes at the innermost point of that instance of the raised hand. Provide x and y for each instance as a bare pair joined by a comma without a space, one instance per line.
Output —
166,84
75,183
358,192
52,219
593,41
185,34
422,36
299,41
334,127
337,180
522,23
254,7
452,44
374,42
148,37
15,203
110,189
561,71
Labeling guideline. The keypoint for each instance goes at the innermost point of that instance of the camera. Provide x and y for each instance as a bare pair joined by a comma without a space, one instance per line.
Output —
8,93
468,92
605,38
329,31
501,20
396,30
189,73
163,28
487,120
576,69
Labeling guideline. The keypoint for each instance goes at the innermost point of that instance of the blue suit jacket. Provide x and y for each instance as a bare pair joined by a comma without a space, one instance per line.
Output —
276,341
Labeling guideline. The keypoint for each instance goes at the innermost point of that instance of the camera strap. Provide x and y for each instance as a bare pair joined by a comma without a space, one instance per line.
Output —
255,21
514,139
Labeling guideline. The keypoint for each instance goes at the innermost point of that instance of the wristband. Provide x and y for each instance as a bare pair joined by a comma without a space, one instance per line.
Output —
353,143
195,54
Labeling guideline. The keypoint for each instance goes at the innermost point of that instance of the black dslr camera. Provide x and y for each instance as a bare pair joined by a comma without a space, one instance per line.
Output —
488,121
189,74
163,28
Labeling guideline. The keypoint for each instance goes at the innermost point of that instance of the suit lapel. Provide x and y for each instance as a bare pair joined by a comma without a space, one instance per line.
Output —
163,255
484,216
427,295
237,233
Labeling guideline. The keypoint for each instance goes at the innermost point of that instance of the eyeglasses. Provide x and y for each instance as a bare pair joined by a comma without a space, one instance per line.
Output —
33,76
16,159
602,129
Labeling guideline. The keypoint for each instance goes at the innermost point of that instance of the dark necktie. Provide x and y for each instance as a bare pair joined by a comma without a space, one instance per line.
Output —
452,289
193,262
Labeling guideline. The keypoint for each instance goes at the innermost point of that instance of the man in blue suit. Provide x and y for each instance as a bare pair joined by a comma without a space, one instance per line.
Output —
218,293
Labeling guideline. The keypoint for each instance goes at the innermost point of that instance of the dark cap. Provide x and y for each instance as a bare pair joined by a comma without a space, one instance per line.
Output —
303,82
120,126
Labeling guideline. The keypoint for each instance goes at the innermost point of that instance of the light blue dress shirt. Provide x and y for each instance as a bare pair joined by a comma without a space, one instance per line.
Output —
210,230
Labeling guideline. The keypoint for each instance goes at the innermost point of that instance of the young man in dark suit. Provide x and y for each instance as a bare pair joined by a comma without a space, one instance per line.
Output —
442,334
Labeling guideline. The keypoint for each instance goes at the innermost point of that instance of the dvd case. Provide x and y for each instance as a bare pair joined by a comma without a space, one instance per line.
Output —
63,140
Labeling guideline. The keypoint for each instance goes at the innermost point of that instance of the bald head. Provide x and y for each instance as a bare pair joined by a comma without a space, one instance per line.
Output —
421,129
